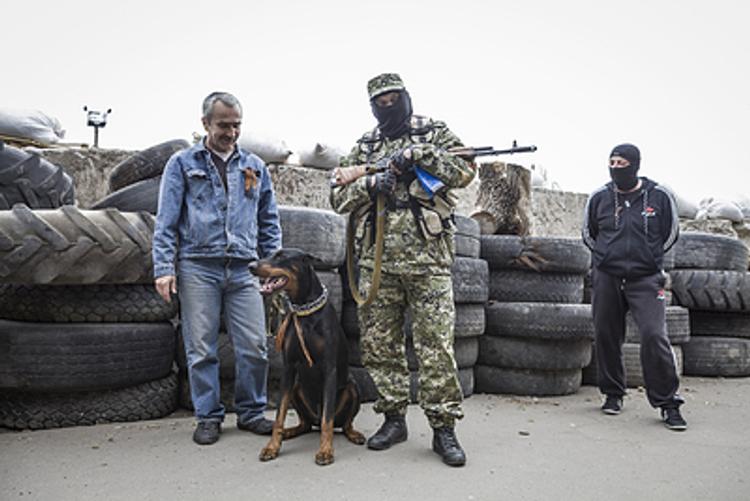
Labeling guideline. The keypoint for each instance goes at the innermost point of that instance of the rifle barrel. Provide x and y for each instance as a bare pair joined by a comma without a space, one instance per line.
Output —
488,151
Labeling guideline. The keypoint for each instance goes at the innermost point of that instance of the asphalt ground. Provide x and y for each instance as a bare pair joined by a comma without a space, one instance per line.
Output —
518,448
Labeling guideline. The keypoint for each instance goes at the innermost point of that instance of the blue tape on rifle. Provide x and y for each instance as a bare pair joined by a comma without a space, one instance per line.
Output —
430,183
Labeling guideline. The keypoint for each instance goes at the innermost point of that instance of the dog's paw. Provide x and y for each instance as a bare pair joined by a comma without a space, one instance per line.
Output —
323,458
269,453
355,437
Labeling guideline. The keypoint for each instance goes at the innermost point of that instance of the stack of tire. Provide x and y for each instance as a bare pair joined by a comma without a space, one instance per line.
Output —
470,291
83,337
538,335
321,234
711,279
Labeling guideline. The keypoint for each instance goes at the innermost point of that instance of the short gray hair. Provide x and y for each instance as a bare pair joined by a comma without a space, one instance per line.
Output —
225,97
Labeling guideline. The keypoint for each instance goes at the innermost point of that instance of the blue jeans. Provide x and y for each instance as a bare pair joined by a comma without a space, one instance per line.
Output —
205,285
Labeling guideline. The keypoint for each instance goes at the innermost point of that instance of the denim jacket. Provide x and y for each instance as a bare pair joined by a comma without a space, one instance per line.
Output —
197,218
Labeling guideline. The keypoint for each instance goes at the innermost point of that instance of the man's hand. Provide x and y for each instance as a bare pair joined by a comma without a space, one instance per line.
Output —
382,182
345,175
401,162
166,285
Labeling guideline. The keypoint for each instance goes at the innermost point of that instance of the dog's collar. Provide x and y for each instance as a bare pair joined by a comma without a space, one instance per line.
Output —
303,310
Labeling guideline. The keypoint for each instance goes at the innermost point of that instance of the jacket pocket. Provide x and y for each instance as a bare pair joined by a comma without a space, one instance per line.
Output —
198,200
199,184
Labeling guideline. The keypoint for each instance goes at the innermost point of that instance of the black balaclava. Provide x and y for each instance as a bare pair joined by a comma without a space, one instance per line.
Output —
394,121
625,178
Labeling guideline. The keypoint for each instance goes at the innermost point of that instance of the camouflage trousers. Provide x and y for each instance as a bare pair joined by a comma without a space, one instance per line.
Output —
430,299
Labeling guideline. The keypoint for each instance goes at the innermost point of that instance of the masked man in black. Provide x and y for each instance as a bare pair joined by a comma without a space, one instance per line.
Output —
629,224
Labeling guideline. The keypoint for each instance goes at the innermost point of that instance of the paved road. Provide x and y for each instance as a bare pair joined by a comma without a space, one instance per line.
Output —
518,448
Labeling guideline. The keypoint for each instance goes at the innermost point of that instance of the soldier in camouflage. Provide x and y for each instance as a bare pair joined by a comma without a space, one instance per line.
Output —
416,265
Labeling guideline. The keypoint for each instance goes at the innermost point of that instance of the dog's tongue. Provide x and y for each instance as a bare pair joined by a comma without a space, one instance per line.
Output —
270,285
266,287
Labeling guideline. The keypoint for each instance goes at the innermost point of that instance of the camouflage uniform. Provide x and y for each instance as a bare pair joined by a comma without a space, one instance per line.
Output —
415,271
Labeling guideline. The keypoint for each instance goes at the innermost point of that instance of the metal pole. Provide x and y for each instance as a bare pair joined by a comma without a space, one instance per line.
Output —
96,137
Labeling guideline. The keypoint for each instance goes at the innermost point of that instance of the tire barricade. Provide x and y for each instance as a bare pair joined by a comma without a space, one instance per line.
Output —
538,335
84,337
711,279
84,342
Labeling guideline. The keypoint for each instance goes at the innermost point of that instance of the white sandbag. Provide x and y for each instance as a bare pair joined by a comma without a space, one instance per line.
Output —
711,208
743,202
323,156
30,124
539,177
685,208
269,149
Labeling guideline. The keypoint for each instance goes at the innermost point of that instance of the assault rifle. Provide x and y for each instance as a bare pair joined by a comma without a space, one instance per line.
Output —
346,175
469,152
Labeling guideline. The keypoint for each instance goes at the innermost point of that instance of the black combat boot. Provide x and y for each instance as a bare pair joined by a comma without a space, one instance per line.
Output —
391,432
445,443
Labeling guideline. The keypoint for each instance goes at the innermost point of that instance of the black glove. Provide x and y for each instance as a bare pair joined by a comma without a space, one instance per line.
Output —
402,163
382,182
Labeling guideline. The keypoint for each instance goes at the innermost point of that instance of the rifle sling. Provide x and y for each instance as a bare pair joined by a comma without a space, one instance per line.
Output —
377,265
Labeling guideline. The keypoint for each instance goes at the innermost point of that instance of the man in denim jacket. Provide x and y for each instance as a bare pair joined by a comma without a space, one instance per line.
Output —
217,213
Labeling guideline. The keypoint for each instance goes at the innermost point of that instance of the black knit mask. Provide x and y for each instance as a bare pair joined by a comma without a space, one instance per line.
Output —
394,121
625,178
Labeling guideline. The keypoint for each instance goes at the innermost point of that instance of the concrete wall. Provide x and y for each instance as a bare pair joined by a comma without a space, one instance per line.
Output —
556,213
89,168
553,213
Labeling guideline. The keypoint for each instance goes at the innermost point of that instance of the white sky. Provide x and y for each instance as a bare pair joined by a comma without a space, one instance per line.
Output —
573,77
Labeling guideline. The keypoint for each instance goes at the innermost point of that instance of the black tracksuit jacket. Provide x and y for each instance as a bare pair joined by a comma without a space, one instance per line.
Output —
628,234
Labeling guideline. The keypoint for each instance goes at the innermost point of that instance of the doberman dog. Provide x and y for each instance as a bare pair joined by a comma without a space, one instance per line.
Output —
315,379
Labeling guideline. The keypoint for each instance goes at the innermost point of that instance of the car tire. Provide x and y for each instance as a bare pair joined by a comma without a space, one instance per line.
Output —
145,164
496,380
69,246
33,181
84,303
36,411
139,196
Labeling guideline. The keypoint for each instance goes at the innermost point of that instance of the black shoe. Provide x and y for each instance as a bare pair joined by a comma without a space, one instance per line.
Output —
445,443
673,419
390,433
260,426
207,432
612,405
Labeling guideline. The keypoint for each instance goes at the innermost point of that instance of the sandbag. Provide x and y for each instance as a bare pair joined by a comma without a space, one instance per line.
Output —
322,155
539,177
743,202
30,124
711,208
270,150
685,208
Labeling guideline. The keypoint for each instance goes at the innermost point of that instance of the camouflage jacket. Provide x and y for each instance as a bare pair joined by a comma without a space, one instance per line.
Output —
405,250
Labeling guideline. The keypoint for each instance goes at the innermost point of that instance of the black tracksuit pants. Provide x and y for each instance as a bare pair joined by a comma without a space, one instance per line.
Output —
611,299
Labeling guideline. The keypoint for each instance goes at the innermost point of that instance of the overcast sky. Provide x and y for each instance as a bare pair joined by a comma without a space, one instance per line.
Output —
574,77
